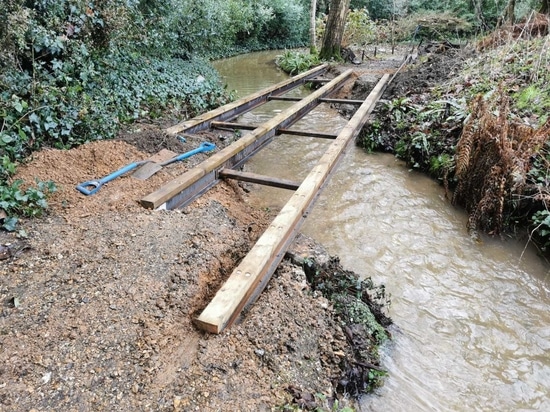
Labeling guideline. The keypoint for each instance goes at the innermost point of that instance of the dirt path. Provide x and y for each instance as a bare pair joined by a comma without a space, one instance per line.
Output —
97,303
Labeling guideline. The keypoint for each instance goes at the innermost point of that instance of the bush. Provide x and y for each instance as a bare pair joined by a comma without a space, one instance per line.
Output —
360,29
30,202
432,26
294,62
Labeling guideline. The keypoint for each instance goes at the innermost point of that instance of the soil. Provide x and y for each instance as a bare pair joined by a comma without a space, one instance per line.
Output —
98,299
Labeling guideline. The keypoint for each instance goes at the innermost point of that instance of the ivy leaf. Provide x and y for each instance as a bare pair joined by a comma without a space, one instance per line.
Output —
18,107
10,223
57,64
34,118
7,138
50,125
20,197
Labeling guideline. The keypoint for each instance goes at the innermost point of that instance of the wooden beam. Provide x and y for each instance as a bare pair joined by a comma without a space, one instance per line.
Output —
343,101
259,179
252,274
237,152
232,125
244,104
285,98
324,100
243,126
308,134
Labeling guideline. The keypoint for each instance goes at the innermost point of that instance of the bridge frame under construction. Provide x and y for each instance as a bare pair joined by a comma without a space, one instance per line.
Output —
251,276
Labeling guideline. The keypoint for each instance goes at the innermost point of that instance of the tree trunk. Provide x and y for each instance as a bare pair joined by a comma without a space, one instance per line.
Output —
509,12
334,32
312,34
479,14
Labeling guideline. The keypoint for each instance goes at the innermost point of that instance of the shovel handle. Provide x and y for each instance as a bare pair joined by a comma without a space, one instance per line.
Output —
204,147
92,186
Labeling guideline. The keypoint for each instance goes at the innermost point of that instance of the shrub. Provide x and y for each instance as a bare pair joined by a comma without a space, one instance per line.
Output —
360,29
30,202
294,62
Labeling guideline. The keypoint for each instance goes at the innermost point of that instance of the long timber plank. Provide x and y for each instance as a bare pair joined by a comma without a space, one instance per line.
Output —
201,177
252,274
232,110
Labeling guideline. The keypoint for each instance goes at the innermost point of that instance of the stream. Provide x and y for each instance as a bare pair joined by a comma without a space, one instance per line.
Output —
472,320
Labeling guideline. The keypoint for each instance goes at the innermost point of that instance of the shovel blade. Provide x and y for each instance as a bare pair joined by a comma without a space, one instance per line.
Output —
147,170
153,164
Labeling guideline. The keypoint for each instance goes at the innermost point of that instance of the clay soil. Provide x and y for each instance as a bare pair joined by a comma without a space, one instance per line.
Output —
98,300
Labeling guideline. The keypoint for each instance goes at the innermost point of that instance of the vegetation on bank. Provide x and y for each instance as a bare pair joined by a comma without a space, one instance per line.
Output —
484,133
362,309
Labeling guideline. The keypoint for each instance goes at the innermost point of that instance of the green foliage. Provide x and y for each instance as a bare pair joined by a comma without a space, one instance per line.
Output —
289,26
432,25
360,29
377,9
421,133
213,29
18,202
539,178
294,62
371,141
541,224
441,164
75,102
534,100
523,75
485,16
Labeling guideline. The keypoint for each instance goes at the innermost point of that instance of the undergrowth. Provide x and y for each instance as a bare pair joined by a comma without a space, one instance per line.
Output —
294,62
16,201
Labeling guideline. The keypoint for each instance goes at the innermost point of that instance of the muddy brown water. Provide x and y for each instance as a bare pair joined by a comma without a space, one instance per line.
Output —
472,320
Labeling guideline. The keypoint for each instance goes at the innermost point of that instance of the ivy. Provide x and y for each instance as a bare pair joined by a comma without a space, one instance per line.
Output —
32,202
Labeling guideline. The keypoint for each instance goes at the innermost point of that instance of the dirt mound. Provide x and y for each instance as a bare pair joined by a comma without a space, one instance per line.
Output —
93,161
432,69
